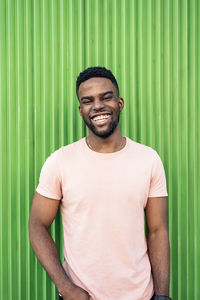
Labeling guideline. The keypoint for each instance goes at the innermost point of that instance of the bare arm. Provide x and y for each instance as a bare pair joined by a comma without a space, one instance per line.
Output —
158,243
43,212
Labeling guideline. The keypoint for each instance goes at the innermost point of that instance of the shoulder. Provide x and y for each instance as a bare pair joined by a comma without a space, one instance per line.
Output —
142,150
66,151
61,157
149,159
75,146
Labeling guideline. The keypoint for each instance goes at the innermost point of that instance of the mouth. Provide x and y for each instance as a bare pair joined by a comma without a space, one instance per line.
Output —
101,119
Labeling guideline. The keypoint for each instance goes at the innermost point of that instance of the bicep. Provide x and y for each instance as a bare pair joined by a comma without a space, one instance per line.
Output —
157,213
43,210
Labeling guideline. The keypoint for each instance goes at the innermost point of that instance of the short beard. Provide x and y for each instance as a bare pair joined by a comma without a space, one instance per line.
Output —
106,133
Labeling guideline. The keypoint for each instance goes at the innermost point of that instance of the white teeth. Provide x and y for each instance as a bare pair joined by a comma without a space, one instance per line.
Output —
101,117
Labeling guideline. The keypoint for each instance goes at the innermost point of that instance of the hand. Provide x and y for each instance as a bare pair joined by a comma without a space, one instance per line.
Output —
76,293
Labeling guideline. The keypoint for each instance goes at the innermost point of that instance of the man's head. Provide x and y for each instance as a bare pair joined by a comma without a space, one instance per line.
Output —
100,104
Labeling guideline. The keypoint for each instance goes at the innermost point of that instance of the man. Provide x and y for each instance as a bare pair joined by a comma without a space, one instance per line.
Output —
104,184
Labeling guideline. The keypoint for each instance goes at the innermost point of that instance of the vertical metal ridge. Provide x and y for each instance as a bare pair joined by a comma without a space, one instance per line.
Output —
197,212
195,272
35,74
175,246
183,143
1,153
86,36
197,158
106,32
61,75
28,137
160,78
52,80
73,74
191,137
152,79
50,289
17,157
132,72
95,12
8,289
42,109
149,72
114,33
69,73
156,104
3,88
122,66
80,57
166,140
178,158
145,67
140,72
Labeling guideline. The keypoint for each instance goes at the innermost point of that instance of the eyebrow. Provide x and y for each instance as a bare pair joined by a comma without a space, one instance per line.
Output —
108,92
102,95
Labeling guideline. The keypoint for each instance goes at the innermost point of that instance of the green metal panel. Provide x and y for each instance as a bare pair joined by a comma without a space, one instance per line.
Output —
153,47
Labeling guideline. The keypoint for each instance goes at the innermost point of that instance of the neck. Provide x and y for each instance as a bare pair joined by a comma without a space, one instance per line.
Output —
113,143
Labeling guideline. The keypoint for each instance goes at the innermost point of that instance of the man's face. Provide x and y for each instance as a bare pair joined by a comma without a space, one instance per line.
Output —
100,105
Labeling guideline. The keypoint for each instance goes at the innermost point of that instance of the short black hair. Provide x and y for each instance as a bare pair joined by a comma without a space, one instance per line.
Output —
95,72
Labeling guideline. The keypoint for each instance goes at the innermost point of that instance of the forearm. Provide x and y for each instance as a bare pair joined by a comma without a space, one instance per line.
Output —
159,252
46,251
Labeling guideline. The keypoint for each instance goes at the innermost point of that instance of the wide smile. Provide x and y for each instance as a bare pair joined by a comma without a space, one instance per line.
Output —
101,119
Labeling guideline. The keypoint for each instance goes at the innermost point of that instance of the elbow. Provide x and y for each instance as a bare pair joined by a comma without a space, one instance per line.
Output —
31,229
34,228
159,232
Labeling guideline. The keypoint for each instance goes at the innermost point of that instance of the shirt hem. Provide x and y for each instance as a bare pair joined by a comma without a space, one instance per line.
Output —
158,196
48,195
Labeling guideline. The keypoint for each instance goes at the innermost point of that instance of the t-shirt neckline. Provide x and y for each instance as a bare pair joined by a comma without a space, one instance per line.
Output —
105,155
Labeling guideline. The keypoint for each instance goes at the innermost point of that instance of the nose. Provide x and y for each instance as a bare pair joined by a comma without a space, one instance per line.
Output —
98,104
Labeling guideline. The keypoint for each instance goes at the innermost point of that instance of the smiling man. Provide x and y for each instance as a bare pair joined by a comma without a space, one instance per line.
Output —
105,184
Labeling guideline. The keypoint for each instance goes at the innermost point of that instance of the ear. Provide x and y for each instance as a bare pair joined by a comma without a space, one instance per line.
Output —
80,110
121,103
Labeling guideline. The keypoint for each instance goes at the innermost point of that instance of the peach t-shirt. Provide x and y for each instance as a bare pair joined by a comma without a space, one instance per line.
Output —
103,197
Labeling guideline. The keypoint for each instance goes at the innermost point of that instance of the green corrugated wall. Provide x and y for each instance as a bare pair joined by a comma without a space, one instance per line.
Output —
153,48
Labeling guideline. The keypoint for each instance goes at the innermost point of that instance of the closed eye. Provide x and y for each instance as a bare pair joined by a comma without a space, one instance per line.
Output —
86,101
108,98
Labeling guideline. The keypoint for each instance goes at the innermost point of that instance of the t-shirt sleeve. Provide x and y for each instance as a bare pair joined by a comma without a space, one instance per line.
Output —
50,181
158,186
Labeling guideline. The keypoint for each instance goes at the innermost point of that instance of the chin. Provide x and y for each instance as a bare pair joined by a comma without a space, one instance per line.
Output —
104,133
